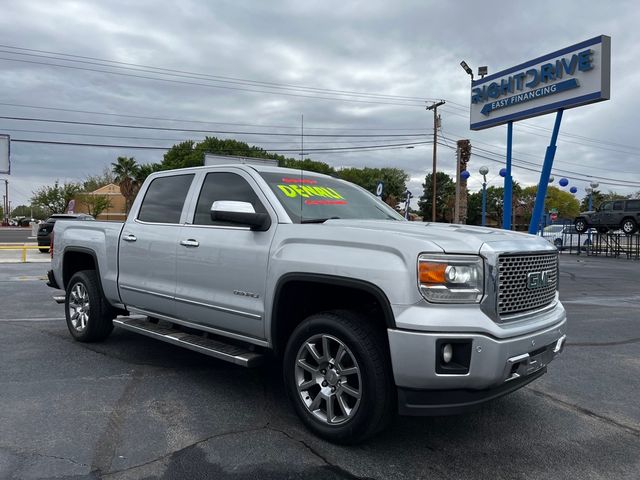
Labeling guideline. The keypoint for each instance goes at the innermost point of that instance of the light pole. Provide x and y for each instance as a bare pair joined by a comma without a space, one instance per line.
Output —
483,171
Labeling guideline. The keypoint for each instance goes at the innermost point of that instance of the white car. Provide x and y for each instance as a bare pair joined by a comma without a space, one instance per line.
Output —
566,236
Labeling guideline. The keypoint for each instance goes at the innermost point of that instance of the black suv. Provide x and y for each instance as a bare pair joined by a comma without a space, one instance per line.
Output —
616,214
45,229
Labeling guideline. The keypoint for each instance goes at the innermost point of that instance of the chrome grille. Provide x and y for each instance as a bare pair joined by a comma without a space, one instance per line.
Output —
514,296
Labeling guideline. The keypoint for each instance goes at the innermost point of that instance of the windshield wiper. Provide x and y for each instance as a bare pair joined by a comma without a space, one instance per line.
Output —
318,220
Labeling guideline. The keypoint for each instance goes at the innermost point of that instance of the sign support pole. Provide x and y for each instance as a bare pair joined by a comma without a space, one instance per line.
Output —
508,182
538,209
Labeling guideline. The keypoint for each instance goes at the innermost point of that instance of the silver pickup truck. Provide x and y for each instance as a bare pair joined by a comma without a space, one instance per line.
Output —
370,314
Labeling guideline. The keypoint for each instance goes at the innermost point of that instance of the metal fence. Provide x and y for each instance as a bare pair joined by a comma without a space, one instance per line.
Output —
592,243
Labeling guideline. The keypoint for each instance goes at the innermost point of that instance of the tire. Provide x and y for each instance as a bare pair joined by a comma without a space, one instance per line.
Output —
558,243
581,225
602,230
629,226
362,400
44,250
89,316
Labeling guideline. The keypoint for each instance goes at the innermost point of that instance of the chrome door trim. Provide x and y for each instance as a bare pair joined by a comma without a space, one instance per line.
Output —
204,328
148,292
253,316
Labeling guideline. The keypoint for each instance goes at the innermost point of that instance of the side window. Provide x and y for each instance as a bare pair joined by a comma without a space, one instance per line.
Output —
606,206
164,199
617,205
223,186
633,205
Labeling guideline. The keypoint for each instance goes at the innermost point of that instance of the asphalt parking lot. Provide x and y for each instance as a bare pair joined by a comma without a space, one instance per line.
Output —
132,407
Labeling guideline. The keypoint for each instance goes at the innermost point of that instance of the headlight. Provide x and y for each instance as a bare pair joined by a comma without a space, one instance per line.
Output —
451,278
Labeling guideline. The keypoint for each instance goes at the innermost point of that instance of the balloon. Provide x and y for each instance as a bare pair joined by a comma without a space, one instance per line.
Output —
503,172
551,179
563,182
464,174
573,189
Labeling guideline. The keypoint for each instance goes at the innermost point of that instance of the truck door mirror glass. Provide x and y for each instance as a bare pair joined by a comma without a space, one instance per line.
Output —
241,213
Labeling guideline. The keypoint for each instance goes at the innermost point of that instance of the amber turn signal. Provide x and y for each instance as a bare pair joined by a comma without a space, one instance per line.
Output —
431,273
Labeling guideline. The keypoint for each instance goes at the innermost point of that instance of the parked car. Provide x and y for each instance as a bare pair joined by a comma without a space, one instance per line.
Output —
45,228
567,236
616,214
368,312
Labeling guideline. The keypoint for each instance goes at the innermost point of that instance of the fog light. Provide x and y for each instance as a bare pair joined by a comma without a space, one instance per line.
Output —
447,353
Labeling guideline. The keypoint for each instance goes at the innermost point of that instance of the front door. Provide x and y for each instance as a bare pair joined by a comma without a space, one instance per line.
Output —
222,267
148,244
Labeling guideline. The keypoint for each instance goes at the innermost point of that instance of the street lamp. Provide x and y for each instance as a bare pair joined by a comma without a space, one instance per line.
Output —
483,171
467,68
594,185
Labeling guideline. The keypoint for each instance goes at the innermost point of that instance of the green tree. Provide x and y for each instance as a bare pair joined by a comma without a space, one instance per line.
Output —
28,211
474,208
125,170
445,195
395,181
145,170
307,164
95,204
94,182
191,154
54,199
566,204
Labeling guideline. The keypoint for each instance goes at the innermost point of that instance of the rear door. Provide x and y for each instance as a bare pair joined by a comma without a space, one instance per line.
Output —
147,258
617,213
222,267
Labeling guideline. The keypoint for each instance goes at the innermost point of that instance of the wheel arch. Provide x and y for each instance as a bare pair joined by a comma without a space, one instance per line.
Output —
298,295
75,259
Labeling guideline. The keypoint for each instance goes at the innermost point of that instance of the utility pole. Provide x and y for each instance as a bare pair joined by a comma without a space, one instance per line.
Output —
434,106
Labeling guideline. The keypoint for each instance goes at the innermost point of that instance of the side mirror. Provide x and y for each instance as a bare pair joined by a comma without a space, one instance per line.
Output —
241,213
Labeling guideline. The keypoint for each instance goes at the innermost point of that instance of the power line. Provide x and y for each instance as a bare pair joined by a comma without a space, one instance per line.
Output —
150,147
129,137
172,129
183,120
209,85
571,175
113,63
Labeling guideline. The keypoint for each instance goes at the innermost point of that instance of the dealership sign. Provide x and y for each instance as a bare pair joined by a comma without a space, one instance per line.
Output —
568,78
5,160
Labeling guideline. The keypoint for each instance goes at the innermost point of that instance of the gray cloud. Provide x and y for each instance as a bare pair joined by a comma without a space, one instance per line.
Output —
409,48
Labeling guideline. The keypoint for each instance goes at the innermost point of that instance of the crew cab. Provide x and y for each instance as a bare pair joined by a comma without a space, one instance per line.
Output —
371,314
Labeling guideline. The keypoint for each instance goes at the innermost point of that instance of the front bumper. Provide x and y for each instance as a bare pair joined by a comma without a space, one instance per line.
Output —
496,366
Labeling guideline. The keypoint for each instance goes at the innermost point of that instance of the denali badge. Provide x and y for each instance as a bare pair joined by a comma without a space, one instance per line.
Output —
537,279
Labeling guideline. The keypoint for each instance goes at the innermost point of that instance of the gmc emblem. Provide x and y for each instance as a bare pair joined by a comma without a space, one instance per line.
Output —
537,279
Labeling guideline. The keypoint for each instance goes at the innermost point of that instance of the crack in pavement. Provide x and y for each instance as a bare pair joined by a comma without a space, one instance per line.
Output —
186,447
585,411
27,453
106,446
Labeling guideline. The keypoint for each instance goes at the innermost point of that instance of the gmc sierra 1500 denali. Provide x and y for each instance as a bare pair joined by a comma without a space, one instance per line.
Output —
371,314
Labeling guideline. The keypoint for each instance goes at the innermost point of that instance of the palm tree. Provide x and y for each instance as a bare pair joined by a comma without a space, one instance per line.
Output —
126,170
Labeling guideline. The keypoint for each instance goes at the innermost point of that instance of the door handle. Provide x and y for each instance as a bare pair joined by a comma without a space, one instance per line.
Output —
129,238
189,243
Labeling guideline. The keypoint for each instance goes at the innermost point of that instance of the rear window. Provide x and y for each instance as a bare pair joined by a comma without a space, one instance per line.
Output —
164,199
309,198
633,205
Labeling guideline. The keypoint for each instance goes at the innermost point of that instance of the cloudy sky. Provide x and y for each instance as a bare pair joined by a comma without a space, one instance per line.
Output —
257,67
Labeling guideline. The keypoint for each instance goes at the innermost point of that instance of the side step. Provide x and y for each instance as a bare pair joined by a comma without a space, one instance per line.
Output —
59,298
208,346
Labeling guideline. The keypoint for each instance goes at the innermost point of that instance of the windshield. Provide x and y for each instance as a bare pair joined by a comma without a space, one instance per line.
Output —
312,199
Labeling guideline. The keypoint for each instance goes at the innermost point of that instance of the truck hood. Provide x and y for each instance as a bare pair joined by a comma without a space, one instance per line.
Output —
451,238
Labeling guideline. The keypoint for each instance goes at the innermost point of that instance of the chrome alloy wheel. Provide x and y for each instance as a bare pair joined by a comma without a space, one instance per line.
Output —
79,307
328,379
628,226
